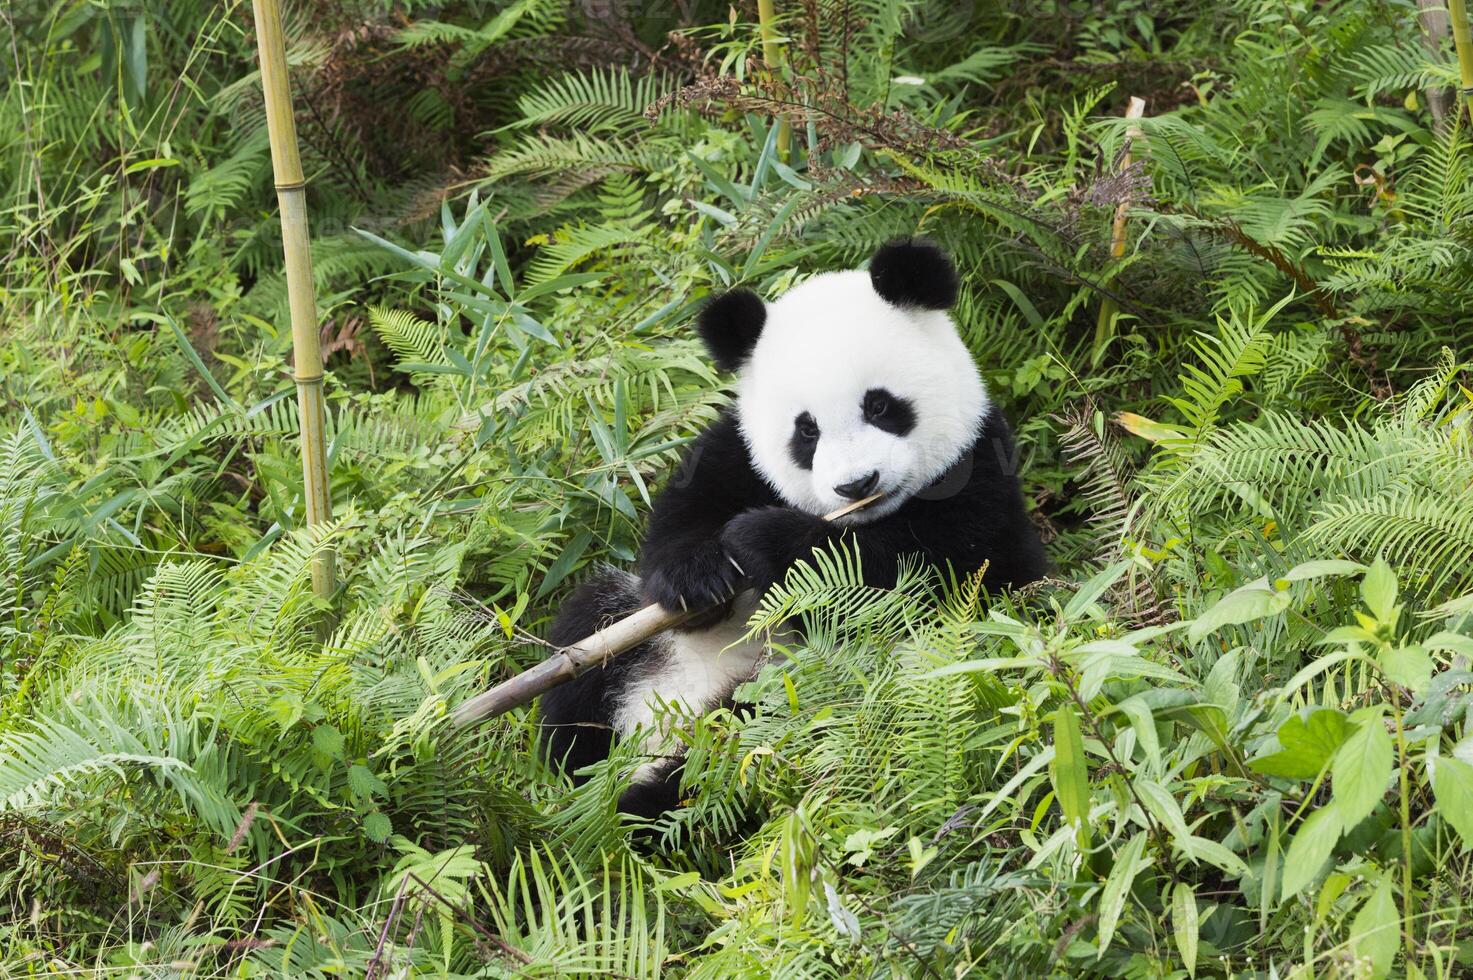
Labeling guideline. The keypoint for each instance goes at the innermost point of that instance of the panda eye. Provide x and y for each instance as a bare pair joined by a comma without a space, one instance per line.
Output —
806,426
876,405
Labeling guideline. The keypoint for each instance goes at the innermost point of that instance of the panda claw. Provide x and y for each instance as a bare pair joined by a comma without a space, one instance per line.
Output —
740,570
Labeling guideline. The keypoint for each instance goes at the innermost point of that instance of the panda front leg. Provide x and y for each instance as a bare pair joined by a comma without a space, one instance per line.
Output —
655,787
689,673
578,718
765,541
666,681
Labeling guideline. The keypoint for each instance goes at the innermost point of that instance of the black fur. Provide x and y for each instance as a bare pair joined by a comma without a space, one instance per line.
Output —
682,557
577,716
730,325
889,413
963,522
721,509
913,272
804,441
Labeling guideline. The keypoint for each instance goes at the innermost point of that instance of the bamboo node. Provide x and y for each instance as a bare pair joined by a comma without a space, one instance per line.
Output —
294,185
315,379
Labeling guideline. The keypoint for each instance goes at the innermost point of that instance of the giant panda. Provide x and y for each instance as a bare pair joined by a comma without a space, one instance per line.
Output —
852,383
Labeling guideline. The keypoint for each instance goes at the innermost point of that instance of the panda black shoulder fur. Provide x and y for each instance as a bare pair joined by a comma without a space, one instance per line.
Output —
852,383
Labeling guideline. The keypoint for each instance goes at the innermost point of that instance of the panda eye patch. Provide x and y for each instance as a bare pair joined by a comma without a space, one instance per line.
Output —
888,412
804,442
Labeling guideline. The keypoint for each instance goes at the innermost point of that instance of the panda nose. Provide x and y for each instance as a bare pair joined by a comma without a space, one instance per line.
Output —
860,488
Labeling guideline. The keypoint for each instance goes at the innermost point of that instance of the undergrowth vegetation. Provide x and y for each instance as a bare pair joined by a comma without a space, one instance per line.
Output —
1230,735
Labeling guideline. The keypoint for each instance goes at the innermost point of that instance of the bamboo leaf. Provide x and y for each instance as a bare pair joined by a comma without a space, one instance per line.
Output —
1243,606
1185,924
1070,771
1117,887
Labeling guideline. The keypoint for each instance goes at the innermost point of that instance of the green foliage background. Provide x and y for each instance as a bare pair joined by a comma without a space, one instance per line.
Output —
1230,736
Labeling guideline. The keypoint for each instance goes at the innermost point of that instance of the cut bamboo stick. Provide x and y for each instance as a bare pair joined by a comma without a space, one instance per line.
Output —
1134,110
291,195
589,652
1457,12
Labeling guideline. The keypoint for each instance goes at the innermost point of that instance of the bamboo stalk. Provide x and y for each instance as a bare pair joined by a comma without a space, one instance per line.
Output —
772,53
1457,12
291,195
1108,310
589,652
1432,16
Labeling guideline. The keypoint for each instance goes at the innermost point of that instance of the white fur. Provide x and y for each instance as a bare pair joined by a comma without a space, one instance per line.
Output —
824,344
693,673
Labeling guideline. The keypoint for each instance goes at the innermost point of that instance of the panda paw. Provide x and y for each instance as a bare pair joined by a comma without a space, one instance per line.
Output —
766,540
698,579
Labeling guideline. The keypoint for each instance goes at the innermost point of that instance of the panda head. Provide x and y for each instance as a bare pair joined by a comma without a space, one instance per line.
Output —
852,383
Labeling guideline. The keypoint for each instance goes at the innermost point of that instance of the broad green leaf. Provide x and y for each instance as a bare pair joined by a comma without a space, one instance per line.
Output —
568,281
1378,588
1138,710
860,844
1452,782
377,827
1323,568
363,782
1163,806
1070,771
1376,931
1408,666
1361,770
990,665
1310,848
1117,887
328,740
722,215
1215,854
1221,686
1316,668
680,882
1450,642
1185,924
498,255
1307,743
1235,608
1091,591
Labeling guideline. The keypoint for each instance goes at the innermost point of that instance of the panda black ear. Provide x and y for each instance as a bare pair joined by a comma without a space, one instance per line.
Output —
730,325
914,272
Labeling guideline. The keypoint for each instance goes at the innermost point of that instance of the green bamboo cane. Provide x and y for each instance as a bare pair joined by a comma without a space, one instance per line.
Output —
291,195
1457,12
772,53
